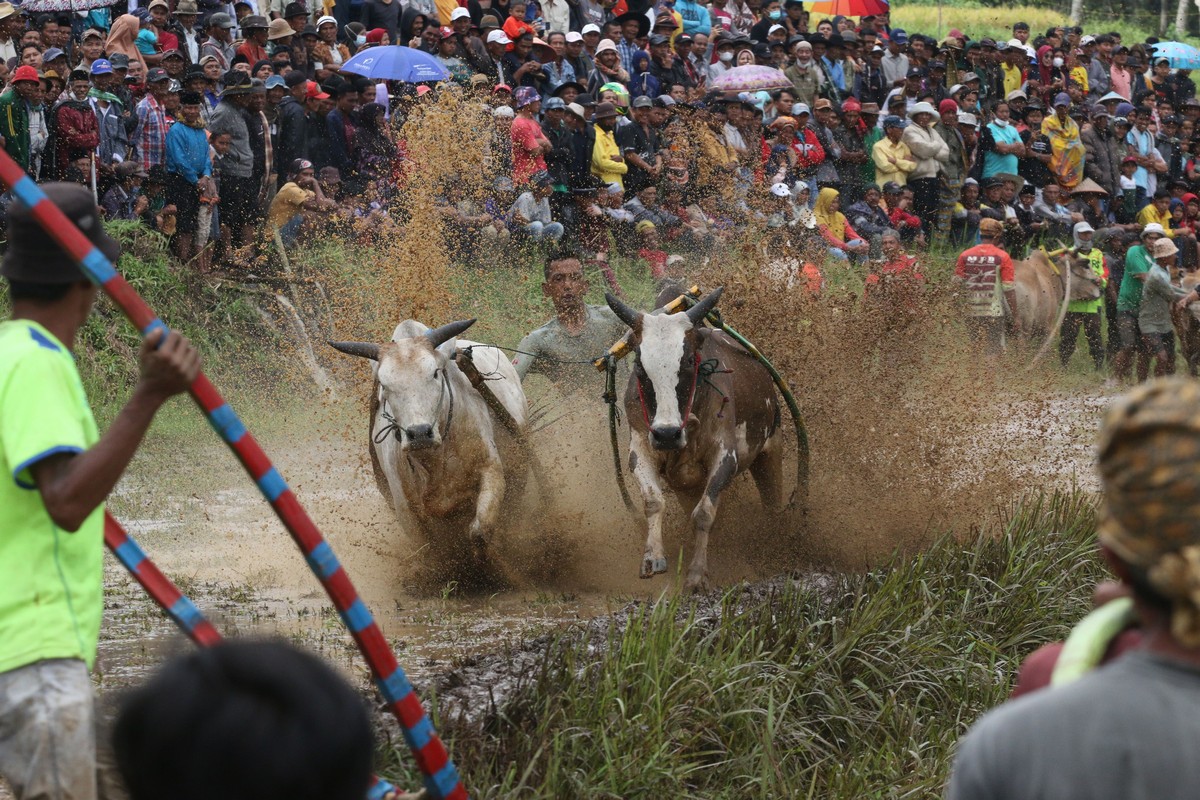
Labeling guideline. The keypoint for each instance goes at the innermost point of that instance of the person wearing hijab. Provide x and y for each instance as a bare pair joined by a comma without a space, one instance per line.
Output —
843,240
122,38
1066,148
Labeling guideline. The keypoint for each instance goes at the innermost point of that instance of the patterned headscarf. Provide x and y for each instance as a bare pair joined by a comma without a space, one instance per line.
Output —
1149,460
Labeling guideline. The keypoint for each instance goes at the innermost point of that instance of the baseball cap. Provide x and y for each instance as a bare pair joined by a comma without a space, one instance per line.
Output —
899,36
121,61
1153,227
276,82
51,54
25,73
445,32
658,39
157,74
780,190
966,118
891,187
101,66
591,27
459,13
574,36
893,121
221,20
314,92
643,101
554,104
498,36
576,109
91,33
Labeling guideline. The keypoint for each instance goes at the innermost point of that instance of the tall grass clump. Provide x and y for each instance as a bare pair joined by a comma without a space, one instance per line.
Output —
847,686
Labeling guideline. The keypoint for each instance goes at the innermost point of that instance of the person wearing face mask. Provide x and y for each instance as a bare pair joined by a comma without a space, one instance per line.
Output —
1000,144
1085,313
74,129
722,58
805,73
771,13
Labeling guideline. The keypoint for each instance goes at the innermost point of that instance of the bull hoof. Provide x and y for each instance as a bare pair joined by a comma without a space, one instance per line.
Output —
697,583
653,566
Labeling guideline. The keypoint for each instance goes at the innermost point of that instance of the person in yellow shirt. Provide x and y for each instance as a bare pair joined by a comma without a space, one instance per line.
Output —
300,194
1158,211
1015,59
607,162
1077,73
893,160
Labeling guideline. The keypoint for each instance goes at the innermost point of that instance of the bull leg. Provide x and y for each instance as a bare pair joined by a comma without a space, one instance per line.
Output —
703,517
767,471
487,505
642,465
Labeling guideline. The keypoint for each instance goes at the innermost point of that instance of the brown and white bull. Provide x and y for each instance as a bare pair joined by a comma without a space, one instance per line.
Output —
1043,290
433,441
701,410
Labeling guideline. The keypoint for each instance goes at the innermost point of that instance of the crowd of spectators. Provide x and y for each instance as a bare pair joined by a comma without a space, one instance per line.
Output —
609,128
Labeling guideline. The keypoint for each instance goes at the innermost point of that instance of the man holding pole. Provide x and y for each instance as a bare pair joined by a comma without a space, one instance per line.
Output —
57,472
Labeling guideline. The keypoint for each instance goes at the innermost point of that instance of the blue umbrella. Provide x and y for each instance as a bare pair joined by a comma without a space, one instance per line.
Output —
1181,56
396,63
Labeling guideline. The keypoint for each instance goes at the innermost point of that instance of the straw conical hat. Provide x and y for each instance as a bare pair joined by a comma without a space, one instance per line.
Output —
1088,185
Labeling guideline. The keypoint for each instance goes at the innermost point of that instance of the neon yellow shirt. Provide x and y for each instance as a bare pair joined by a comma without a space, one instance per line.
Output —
1150,214
51,581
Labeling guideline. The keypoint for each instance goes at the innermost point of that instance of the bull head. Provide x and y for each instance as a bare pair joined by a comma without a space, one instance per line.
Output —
415,385
665,366
1085,284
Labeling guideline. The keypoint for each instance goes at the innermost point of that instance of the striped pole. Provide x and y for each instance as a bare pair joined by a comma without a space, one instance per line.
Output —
441,776
179,608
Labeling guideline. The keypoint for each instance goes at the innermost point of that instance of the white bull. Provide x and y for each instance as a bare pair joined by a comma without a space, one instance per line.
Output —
432,435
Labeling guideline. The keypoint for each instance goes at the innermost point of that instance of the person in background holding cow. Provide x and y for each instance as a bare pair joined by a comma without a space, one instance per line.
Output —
1085,313
578,332
1129,302
58,472
1154,316
986,273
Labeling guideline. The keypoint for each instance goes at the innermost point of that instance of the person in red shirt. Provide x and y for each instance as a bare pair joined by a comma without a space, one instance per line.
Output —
159,12
516,25
529,143
254,29
986,273
897,281
655,258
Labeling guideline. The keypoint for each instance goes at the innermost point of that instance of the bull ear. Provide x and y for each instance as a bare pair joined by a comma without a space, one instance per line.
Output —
698,312
629,316
360,349
439,336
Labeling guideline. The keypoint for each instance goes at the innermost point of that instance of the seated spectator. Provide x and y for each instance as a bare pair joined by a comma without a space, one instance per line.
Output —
843,241
300,195
900,215
124,200
649,250
531,213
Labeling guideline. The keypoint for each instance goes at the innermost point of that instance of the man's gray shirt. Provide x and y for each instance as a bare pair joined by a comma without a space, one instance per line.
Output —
1126,731
553,341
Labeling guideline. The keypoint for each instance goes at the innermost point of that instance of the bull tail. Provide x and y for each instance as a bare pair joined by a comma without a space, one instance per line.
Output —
1062,314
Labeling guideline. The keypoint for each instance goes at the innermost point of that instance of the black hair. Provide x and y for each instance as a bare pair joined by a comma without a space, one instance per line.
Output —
556,256
1162,194
244,721
37,292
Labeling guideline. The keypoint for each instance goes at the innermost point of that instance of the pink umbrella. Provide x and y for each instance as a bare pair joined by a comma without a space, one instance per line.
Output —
751,78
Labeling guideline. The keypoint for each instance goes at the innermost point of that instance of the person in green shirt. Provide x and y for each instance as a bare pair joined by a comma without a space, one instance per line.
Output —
56,473
1129,301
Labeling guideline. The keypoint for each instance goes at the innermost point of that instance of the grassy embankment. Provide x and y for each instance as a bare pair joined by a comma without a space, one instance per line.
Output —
856,688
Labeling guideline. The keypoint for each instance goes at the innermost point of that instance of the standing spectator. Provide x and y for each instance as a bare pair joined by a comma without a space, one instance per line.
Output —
893,160
895,63
15,103
290,123
239,192
110,124
74,131
189,174
382,14
607,162
219,43
150,137
931,154
1000,143
255,30
529,143
339,130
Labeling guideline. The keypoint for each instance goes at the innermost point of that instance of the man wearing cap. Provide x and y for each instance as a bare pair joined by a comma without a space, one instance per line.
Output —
891,156
1138,262
640,146
1125,730
150,135
954,170
1085,313
301,193
59,471
531,212
110,121
15,104
219,43
931,154
75,132
239,190
1104,152
255,30
986,273
894,62
805,73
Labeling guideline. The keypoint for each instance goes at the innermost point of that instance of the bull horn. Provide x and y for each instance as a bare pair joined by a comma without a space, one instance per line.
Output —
624,313
698,312
439,336
360,349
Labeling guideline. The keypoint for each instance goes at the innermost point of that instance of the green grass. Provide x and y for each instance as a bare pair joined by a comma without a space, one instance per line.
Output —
857,689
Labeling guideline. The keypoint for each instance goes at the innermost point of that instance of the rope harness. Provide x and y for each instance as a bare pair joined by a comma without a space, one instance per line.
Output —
702,372
394,428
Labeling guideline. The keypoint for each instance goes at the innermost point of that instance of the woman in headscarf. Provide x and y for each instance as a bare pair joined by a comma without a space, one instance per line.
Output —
122,38
843,240
1066,148
1050,74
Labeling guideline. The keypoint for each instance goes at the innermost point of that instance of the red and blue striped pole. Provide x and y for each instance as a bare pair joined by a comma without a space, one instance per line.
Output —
178,607
441,777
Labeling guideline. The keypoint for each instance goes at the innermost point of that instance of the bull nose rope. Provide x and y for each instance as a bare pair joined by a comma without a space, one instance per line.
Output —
393,427
181,610
441,777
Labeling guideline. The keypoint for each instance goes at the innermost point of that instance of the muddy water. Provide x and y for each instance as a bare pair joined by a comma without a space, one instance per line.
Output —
570,551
